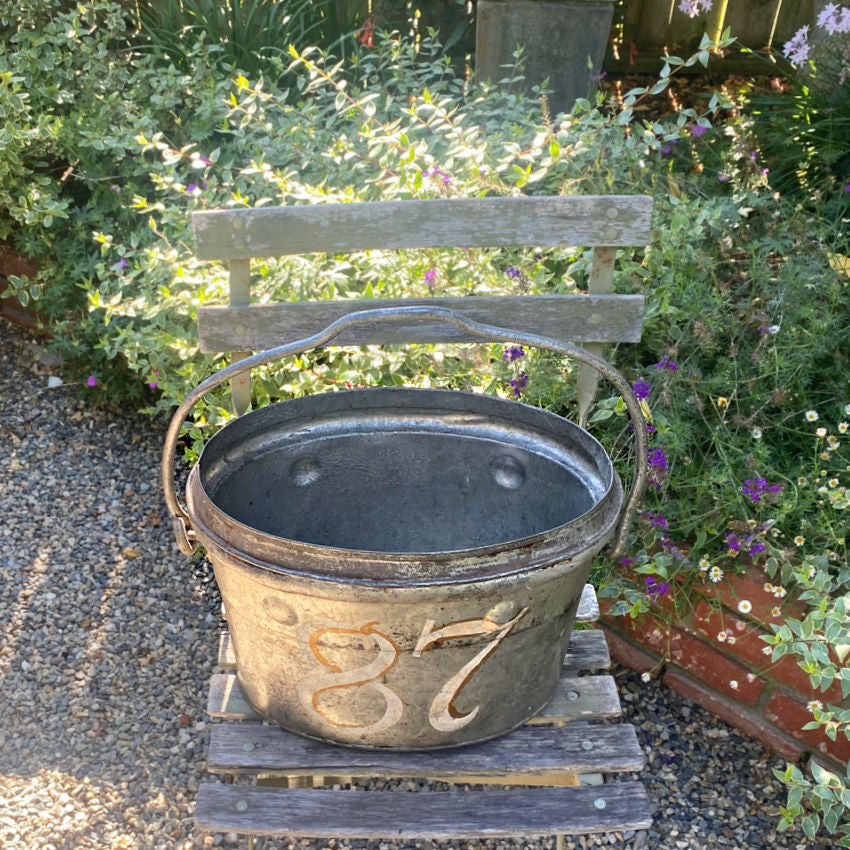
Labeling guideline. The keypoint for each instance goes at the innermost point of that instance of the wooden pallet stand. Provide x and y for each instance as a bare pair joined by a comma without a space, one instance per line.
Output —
546,758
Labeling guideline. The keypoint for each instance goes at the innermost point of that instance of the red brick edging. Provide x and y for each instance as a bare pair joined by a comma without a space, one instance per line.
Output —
734,679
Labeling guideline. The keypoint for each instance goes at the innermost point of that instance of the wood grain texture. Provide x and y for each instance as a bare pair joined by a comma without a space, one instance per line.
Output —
439,815
252,748
588,606
585,698
614,220
581,698
588,651
576,318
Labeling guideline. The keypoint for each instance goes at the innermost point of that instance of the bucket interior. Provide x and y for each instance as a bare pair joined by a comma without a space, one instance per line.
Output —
403,480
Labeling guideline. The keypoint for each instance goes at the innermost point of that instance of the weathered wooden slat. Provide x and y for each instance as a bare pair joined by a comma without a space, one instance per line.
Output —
240,295
588,606
588,650
615,220
575,698
252,748
581,698
437,815
576,318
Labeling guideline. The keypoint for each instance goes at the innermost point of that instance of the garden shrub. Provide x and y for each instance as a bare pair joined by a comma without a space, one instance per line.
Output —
743,359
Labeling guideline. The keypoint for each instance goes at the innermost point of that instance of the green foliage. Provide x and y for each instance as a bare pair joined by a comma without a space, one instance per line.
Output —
245,35
804,129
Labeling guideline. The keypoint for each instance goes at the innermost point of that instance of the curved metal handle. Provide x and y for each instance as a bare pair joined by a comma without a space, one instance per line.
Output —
182,531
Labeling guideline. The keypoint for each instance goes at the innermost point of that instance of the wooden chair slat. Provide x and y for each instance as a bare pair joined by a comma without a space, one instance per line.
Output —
581,698
305,813
575,698
588,651
254,748
588,606
589,220
579,318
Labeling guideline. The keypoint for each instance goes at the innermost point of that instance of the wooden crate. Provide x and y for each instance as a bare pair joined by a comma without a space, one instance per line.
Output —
273,782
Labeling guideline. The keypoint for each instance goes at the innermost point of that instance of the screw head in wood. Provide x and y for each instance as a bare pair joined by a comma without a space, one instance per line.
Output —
586,744
599,803
572,696
611,212
241,805
249,747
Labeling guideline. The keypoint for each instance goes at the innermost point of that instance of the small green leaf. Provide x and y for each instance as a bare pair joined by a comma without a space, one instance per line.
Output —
810,825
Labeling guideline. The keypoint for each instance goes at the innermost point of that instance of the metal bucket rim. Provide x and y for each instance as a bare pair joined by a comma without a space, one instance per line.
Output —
200,503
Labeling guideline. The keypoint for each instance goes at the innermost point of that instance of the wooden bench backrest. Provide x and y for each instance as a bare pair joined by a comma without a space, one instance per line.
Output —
604,223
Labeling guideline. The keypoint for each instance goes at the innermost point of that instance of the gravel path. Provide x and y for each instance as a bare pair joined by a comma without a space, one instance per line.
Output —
109,638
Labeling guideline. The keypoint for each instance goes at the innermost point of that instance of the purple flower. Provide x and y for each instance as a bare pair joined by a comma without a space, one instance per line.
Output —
733,543
519,383
665,150
755,488
513,352
91,381
698,131
513,271
658,521
114,188
641,389
756,548
152,384
797,49
847,188
667,364
191,189
723,178
121,264
594,78
205,160
430,276
658,459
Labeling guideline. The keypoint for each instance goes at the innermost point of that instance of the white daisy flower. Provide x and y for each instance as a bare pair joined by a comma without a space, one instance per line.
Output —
776,611
645,677
767,650
745,606
715,574
833,482
734,684
842,427
811,416
757,434
721,637
703,563
814,705
799,540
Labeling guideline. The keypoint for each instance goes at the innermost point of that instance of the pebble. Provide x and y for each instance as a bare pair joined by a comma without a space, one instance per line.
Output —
109,638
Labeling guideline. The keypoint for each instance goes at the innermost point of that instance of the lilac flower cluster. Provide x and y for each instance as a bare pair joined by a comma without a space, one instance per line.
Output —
749,543
692,8
519,383
755,488
655,590
436,171
668,364
641,389
513,271
513,352
659,466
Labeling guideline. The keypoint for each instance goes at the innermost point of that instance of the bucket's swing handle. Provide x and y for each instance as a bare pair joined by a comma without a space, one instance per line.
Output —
180,517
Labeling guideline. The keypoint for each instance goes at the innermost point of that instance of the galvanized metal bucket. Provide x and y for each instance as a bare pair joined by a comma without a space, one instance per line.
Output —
401,568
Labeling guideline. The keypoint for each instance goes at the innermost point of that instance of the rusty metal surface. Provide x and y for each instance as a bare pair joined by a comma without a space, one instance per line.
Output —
401,568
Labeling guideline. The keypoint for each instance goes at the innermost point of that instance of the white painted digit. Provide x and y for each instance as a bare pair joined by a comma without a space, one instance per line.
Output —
311,688
443,715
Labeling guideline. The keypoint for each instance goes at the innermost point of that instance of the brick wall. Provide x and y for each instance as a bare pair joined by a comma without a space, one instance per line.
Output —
714,656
